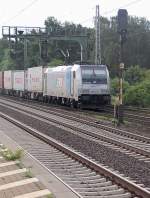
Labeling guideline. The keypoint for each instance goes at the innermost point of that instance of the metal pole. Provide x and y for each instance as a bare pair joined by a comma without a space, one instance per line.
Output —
81,53
121,75
40,52
121,83
97,37
121,68
99,40
25,54
122,30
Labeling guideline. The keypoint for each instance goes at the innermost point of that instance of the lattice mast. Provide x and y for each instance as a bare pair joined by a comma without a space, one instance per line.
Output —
97,37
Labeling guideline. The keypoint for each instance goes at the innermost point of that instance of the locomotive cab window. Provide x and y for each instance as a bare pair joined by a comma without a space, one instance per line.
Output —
94,75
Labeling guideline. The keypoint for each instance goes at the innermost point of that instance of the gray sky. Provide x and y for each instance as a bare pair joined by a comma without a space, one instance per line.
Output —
34,12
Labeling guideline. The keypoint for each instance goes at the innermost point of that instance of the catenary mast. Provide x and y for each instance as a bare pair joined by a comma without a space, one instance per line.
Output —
97,37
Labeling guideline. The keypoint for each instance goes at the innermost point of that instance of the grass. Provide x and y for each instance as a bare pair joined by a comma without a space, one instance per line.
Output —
29,173
102,117
20,165
50,196
10,155
114,121
2,146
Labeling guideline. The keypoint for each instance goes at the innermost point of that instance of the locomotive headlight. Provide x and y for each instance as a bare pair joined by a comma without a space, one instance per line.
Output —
103,91
85,91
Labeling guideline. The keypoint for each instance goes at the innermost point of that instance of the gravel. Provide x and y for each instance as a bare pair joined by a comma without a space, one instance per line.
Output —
127,165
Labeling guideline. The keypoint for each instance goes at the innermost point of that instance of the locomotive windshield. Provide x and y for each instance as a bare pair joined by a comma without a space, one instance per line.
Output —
94,75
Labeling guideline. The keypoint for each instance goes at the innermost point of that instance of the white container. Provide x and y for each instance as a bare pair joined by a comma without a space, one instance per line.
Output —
57,81
18,80
8,79
35,79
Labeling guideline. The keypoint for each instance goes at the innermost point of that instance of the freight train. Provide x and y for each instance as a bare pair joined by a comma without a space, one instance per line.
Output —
72,85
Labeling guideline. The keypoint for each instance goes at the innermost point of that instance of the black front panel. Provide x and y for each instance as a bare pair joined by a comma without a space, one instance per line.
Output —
94,99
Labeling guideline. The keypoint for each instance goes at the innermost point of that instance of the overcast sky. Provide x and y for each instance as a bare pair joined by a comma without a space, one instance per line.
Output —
34,12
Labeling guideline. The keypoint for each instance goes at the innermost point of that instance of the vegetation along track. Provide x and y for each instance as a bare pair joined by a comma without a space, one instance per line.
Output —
132,114
95,145
85,177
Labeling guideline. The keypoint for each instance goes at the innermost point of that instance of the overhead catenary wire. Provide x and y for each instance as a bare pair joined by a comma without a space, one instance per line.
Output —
20,11
84,21
123,6
113,10
107,12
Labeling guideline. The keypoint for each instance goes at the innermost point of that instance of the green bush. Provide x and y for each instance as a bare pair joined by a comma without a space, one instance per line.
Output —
134,74
115,86
138,95
136,86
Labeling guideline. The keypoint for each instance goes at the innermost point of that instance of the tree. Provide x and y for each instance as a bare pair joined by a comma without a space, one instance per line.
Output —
67,29
55,62
6,62
134,74
53,25
136,50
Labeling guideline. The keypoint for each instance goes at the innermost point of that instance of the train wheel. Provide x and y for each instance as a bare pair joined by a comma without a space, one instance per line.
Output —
72,105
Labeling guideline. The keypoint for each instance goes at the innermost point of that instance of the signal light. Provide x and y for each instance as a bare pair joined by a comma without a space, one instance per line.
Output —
122,20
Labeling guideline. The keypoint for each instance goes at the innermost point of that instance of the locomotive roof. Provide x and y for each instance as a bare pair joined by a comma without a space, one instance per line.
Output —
92,65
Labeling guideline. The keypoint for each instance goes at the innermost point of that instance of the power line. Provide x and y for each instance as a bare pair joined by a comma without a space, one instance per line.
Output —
114,9
123,6
21,11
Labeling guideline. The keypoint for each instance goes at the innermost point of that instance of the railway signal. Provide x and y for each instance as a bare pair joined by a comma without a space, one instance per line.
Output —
122,30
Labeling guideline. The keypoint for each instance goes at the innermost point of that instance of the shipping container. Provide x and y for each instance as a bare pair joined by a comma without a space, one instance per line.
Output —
35,79
8,80
18,80
57,81
1,79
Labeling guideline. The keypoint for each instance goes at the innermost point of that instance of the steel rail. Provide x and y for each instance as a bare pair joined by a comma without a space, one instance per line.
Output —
125,183
93,122
91,134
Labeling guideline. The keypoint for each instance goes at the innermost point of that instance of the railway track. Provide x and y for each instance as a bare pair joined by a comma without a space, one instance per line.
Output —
83,117
117,138
133,145
84,177
143,111
139,116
